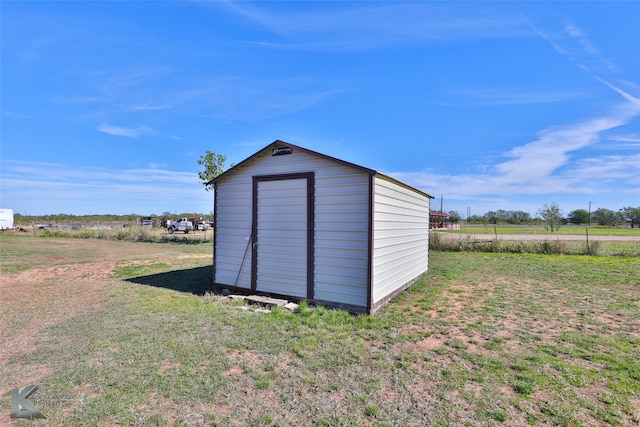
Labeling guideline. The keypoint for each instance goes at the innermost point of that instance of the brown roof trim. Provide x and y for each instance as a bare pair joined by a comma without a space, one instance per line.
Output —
279,143
402,184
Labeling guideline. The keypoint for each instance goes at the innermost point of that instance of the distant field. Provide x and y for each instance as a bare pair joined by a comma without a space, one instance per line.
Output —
132,233
599,241
504,229
120,333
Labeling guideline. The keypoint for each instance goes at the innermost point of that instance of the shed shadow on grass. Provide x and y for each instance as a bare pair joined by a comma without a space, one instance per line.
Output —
197,281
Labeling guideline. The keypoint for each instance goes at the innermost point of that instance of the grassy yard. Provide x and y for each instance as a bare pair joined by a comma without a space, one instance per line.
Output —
484,339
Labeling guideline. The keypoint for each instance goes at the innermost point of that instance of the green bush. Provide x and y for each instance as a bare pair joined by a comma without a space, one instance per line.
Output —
548,247
131,234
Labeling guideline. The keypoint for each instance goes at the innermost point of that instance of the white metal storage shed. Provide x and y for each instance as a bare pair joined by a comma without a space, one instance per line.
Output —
293,223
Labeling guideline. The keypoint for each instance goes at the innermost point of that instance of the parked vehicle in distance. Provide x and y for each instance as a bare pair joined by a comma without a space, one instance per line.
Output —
183,224
146,221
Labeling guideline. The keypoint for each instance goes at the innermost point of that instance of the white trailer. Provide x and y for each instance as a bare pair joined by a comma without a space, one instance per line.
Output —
6,219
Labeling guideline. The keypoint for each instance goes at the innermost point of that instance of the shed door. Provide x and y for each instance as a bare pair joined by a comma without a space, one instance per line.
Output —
283,235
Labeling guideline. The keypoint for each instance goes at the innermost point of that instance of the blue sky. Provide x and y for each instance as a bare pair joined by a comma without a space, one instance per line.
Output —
107,106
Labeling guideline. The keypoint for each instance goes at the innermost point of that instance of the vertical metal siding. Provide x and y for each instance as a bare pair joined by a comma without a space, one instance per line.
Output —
232,234
341,225
341,245
401,237
281,237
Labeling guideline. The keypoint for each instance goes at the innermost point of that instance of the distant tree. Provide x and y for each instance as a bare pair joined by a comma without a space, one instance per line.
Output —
551,215
131,218
491,217
454,217
519,217
631,215
213,166
502,215
476,219
606,217
578,216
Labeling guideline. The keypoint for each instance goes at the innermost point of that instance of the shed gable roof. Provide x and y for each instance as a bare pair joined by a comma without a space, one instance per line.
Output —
282,144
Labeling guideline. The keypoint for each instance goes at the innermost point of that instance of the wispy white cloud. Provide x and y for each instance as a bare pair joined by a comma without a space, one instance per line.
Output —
253,14
14,164
495,96
146,107
158,165
116,83
51,187
339,26
607,170
538,159
368,25
78,99
556,162
128,132
57,172
580,37
545,166
575,45
247,98
223,97
589,179
633,99
631,141
15,115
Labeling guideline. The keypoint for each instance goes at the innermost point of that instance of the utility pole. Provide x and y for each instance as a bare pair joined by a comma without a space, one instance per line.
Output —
587,230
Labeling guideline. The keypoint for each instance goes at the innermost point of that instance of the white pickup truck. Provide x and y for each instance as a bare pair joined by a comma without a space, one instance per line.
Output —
183,224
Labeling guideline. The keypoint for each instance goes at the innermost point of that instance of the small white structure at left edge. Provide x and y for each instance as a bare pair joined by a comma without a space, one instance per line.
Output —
6,219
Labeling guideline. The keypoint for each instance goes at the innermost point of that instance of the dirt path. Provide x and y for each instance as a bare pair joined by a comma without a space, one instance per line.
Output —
36,299
71,278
